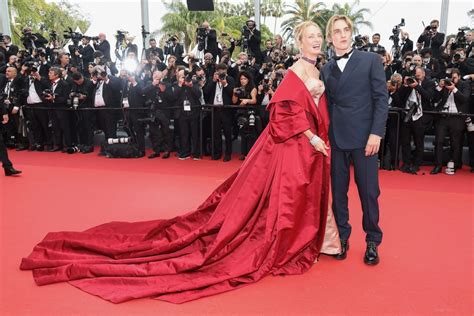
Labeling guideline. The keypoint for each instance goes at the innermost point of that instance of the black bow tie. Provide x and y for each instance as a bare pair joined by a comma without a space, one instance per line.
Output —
346,55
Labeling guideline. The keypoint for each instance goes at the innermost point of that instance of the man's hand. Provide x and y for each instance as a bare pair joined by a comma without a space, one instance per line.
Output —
373,145
5,119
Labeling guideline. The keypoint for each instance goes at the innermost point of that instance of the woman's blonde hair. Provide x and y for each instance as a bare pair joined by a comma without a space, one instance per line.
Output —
299,30
333,20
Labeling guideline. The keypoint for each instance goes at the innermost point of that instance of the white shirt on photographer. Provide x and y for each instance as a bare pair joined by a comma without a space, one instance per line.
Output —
99,97
33,96
218,100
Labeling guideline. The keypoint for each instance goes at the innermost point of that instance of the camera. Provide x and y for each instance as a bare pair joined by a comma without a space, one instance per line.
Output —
246,119
32,66
99,74
393,82
47,93
239,92
75,37
120,36
1,38
447,82
53,36
222,76
201,34
411,80
188,76
94,38
266,84
461,40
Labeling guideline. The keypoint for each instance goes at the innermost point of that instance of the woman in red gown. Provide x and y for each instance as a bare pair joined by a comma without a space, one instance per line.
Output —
269,217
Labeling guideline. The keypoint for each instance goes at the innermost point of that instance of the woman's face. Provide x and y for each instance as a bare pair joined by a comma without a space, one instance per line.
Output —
311,41
243,81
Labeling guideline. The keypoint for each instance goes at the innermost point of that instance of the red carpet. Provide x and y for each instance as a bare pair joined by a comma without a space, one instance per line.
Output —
426,257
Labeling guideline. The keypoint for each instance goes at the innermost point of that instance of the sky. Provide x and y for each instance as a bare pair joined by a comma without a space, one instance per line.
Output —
108,16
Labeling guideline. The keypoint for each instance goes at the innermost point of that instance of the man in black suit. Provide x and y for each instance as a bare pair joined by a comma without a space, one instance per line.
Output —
32,40
416,93
431,38
10,85
6,163
254,40
452,97
154,50
406,44
107,94
219,91
375,47
176,49
57,98
210,40
103,46
358,107
85,54
82,96
7,47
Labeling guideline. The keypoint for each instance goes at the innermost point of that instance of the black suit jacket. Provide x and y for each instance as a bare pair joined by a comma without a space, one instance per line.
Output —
157,51
87,53
39,42
112,92
227,92
212,46
434,43
357,100
87,89
426,91
461,97
176,51
407,47
104,47
61,94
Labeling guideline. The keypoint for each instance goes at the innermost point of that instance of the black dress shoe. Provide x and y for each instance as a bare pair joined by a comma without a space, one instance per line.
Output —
216,157
436,170
345,247
371,255
10,171
38,147
154,155
472,170
166,155
227,158
54,149
242,157
21,148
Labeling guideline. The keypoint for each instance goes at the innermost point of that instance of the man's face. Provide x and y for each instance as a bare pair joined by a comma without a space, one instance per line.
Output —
417,60
7,40
12,59
65,60
153,44
375,39
251,24
455,78
101,37
341,35
52,75
157,75
419,74
268,44
85,41
244,59
171,62
469,37
206,25
434,26
79,82
10,73
200,73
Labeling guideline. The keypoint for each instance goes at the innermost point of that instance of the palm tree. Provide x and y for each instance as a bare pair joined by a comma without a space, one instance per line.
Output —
182,22
356,16
276,12
300,11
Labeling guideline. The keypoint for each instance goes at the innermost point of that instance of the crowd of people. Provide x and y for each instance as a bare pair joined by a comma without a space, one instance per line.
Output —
58,99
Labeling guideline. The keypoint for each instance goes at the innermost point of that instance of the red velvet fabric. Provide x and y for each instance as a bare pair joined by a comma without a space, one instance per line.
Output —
267,218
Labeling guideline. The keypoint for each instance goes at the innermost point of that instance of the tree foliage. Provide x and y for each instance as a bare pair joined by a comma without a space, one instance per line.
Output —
44,17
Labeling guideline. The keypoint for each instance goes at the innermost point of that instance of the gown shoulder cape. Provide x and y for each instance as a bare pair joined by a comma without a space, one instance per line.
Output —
269,217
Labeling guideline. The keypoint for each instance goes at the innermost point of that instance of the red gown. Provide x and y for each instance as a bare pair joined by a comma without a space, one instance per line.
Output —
269,217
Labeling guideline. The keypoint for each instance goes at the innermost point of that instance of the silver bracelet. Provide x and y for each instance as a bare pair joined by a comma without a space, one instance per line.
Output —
314,140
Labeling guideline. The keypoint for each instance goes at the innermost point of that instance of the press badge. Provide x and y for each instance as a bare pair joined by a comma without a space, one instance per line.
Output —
187,105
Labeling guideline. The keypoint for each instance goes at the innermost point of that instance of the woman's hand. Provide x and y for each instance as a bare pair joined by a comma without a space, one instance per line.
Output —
321,147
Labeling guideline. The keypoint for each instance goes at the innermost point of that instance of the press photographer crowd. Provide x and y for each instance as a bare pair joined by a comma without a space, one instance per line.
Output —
198,104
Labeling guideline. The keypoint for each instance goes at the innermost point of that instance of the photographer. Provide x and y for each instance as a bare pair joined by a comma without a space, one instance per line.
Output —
375,47
32,40
432,66
159,118
170,71
219,91
33,86
207,40
85,54
264,95
185,94
7,48
82,96
452,96
107,94
406,44
209,66
57,98
251,38
173,47
245,94
10,87
432,39
6,163
416,94
154,51
103,46
268,51
393,87
242,63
